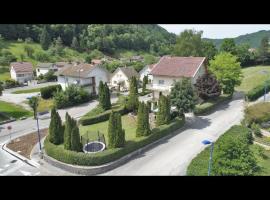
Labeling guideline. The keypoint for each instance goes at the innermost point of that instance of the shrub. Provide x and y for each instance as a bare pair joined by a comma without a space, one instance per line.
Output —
6,57
48,92
11,83
73,95
88,120
258,91
116,134
109,155
257,113
49,76
256,129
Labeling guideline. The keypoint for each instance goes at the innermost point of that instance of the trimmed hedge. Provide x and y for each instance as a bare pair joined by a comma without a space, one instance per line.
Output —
59,153
210,105
258,91
199,165
88,120
47,92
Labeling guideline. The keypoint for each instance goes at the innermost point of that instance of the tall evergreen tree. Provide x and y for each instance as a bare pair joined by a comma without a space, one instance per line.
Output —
133,100
101,95
76,144
145,81
75,44
140,120
164,108
67,133
56,130
45,39
115,132
107,95
147,130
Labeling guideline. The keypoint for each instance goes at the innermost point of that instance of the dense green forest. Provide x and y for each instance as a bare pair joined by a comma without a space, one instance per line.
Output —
107,38
252,39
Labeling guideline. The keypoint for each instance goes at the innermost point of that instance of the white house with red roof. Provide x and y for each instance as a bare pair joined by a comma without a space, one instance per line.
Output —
21,71
170,69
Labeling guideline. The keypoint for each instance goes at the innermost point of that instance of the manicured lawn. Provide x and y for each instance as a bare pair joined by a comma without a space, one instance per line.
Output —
263,161
14,110
253,77
4,73
45,105
26,91
128,124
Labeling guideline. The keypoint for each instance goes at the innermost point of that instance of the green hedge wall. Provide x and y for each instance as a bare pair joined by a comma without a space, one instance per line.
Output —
47,92
210,105
59,153
88,120
258,91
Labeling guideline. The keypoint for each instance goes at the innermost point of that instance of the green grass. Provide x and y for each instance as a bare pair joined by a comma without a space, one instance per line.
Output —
98,110
128,124
4,73
17,48
26,91
13,110
45,105
253,77
263,160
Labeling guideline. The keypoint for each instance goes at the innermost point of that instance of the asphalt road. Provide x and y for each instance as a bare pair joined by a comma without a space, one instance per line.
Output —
172,156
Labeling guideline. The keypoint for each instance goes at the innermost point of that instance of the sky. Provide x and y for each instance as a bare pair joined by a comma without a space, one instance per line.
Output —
217,31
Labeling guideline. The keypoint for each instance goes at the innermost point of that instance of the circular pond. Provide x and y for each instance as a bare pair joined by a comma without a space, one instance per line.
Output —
93,147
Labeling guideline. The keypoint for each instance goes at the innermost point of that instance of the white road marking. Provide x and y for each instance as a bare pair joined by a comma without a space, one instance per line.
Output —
25,173
6,165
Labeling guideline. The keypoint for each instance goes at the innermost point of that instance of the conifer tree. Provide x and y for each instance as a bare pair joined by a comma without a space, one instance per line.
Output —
45,39
164,107
147,130
115,132
140,120
101,95
112,131
75,139
120,136
145,81
133,101
56,130
67,133
107,98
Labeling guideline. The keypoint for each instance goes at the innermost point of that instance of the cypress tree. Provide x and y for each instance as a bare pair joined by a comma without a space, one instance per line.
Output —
147,130
164,108
140,120
145,81
75,139
45,39
120,134
101,95
116,134
107,96
67,133
111,131
56,130
133,101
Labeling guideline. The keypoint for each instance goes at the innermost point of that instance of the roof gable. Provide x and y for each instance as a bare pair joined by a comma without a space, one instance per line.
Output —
22,67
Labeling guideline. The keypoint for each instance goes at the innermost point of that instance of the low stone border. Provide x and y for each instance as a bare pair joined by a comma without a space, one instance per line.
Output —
263,145
94,170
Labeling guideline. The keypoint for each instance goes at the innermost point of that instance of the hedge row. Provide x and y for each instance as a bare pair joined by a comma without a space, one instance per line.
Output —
88,120
71,157
47,92
208,106
258,91
199,165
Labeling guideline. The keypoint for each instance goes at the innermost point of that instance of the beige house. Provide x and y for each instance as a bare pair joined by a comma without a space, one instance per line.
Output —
170,69
121,77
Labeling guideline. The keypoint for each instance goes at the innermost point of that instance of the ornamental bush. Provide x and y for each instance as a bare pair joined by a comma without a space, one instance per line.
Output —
48,92
258,91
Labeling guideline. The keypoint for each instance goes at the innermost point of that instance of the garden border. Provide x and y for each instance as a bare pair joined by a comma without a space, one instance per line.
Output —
95,170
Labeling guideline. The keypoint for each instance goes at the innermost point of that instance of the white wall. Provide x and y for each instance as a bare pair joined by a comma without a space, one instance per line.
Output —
145,72
119,76
41,71
20,77
200,72
100,74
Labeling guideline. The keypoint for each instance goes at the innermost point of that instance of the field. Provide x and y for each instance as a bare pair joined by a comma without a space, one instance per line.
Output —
14,110
128,124
4,73
253,77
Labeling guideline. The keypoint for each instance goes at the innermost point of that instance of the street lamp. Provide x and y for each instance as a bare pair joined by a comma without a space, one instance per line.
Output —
206,142
265,86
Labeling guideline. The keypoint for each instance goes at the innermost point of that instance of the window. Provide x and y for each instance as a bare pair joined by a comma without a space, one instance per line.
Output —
20,75
161,82
38,70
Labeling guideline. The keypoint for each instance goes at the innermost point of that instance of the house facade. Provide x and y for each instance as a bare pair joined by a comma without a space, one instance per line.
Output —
146,72
121,77
21,71
170,69
86,75
43,68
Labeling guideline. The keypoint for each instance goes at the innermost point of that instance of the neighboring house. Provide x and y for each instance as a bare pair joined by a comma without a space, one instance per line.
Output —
170,69
96,62
121,77
21,71
43,68
85,75
146,72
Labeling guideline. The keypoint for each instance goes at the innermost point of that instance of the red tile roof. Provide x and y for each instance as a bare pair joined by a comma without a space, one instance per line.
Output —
177,66
21,67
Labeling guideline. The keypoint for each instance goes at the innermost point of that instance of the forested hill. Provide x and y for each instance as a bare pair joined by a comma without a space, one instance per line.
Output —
86,37
253,39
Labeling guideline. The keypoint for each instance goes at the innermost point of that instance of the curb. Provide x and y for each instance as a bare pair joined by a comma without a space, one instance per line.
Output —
95,170
22,158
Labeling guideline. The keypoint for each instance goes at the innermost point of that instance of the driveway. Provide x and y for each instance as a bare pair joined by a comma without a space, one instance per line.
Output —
171,157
